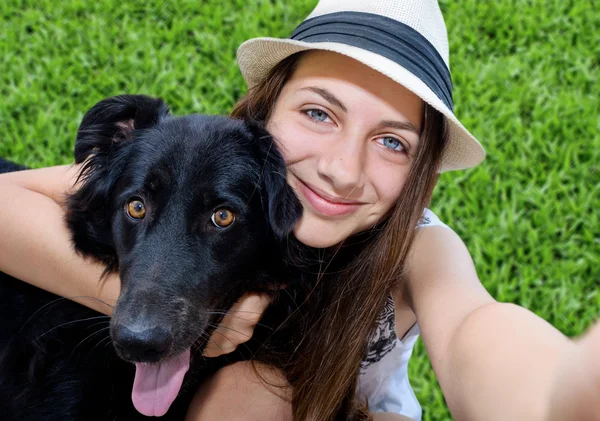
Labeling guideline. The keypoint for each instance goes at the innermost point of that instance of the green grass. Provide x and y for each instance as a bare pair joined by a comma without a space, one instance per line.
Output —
526,84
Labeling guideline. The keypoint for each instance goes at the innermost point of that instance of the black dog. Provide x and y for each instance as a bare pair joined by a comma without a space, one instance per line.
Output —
191,212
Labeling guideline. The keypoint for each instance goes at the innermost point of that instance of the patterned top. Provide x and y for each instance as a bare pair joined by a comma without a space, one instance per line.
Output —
383,380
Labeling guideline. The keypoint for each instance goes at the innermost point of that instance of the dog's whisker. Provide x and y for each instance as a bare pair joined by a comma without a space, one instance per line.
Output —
89,297
226,311
256,324
217,345
88,337
238,311
244,344
233,330
99,323
216,310
51,304
47,305
204,337
250,338
108,342
68,323
100,341
234,345
229,314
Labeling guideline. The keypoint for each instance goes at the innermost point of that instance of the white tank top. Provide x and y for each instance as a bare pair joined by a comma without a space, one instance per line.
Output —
383,380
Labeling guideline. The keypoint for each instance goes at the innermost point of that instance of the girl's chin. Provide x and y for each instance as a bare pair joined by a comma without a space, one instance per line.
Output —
317,236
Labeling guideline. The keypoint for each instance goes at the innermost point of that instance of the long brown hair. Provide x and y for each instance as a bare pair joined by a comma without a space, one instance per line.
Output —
342,312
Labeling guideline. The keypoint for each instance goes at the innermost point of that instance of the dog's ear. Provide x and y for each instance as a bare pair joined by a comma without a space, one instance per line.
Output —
113,120
280,203
105,127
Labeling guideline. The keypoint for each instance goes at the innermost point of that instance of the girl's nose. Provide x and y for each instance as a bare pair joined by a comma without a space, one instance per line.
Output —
343,167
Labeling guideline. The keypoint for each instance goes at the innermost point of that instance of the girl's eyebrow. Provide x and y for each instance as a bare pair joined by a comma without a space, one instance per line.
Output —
328,96
399,125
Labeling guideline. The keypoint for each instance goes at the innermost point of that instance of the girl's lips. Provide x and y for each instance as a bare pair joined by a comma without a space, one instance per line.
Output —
327,206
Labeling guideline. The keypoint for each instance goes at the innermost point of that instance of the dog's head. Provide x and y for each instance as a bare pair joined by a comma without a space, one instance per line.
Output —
186,209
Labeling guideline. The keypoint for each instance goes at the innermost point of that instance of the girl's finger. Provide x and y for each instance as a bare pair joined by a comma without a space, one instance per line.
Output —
237,325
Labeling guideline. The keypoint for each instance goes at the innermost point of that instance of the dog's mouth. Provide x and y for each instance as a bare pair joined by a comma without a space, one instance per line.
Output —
156,385
161,354
160,348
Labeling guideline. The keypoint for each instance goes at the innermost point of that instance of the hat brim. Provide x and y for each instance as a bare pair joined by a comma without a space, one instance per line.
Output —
256,57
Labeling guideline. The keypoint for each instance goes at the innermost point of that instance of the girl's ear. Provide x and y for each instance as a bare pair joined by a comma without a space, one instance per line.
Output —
279,201
113,120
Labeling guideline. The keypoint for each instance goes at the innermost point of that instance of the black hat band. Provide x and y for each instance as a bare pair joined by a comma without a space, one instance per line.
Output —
386,37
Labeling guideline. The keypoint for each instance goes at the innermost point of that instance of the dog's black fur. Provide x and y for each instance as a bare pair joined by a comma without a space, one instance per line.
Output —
179,271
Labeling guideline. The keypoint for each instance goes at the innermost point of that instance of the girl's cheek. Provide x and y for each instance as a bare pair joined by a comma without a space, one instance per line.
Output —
389,188
296,143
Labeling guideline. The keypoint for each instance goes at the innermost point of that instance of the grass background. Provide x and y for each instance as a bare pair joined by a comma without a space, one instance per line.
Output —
526,84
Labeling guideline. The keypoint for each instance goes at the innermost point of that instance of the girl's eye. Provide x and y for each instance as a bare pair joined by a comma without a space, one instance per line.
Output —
317,115
222,218
136,209
391,143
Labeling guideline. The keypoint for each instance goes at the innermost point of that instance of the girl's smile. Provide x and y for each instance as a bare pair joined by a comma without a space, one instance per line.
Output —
323,203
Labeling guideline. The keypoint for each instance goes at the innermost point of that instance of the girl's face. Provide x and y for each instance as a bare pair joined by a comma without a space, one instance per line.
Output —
349,136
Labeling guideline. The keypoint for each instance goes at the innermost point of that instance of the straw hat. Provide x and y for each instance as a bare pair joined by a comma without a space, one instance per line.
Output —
405,40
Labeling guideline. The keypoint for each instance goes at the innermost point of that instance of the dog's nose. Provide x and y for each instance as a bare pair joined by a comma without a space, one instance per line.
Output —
148,345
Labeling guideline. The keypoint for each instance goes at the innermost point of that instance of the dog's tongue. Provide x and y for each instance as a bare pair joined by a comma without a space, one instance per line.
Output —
156,385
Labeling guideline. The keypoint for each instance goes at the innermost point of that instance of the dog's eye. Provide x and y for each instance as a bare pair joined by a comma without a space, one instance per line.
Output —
136,209
222,218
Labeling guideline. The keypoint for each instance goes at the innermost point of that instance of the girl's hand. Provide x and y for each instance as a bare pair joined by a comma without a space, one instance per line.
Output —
576,389
238,324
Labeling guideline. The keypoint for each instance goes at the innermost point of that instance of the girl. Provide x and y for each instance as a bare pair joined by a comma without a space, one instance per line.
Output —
360,104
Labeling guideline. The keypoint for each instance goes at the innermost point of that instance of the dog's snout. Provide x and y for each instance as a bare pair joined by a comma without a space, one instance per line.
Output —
147,345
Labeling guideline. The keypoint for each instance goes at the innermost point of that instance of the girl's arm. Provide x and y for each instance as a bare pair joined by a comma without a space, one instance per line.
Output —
35,244
493,361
